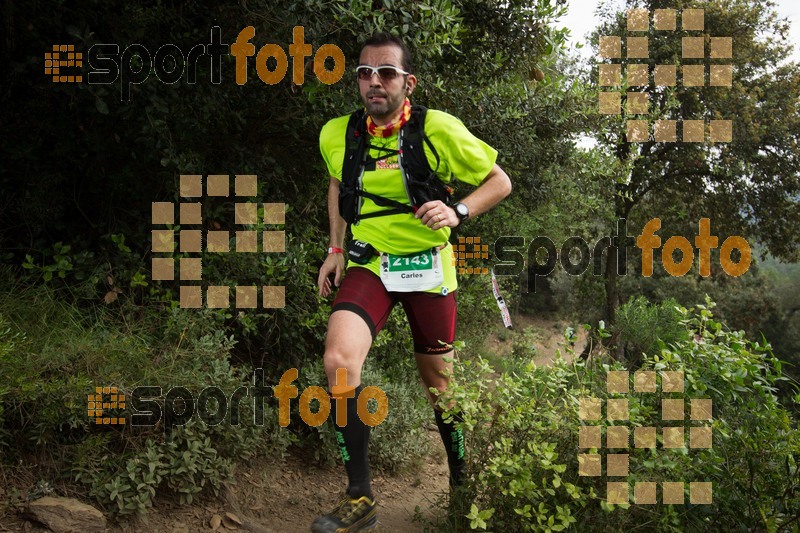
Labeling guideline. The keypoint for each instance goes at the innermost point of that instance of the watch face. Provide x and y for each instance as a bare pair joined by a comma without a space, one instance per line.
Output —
462,210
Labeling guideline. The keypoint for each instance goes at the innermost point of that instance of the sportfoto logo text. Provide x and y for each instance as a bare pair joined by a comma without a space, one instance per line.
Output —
575,254
150,406
170,64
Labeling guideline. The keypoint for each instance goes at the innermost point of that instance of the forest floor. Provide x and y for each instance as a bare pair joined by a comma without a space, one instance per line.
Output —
286,496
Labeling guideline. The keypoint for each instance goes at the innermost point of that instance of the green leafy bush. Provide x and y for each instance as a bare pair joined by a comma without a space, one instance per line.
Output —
645,327
53,355
522,431
518,436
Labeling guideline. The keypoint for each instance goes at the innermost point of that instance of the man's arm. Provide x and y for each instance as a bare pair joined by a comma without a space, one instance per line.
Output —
334,263
494,187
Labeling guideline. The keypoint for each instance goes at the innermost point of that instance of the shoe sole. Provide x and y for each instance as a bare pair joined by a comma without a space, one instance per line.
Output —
371,525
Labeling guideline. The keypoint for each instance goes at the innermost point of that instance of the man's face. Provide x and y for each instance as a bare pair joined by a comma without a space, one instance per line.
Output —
384,98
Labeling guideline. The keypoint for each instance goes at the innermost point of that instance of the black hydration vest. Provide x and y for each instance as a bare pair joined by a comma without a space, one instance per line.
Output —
420,180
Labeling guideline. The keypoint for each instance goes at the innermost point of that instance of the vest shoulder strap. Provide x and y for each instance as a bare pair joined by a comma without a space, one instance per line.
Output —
355,145
414,158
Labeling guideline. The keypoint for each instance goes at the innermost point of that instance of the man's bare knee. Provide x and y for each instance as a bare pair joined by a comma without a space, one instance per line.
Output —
335,360
346,346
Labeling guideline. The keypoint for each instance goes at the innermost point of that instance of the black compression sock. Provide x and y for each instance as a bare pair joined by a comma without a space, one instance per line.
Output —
353,441
453,440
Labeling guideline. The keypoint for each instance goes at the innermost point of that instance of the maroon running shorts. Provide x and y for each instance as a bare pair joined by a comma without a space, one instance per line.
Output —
432,317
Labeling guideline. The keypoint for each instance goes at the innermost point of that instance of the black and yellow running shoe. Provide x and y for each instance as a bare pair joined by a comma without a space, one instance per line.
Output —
348,516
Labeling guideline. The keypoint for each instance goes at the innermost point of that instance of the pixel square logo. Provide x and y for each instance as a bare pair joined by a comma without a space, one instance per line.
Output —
191,241
635,80
617,437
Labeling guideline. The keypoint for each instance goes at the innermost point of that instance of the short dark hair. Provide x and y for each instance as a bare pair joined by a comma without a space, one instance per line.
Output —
383,39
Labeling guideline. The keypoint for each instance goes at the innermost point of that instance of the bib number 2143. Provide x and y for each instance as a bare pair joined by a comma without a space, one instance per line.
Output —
409,273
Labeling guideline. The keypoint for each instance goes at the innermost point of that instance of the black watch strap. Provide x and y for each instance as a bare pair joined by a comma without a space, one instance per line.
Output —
462,211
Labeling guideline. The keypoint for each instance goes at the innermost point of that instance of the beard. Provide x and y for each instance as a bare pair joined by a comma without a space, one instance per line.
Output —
385,107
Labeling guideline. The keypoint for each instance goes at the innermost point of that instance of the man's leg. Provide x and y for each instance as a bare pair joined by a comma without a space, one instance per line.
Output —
433,321
346,346
358,314
434,372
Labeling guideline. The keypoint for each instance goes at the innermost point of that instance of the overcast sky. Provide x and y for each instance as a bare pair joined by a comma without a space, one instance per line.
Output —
582,19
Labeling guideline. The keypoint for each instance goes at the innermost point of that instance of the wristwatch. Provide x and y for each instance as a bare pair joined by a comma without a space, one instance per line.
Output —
462,211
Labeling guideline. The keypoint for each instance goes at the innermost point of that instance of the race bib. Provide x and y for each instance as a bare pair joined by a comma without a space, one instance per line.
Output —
411,273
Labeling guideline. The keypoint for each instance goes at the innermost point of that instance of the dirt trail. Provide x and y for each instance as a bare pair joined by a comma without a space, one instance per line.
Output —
548,338
287,496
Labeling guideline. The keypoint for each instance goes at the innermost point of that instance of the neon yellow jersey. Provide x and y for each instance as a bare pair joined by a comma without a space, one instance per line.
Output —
461,155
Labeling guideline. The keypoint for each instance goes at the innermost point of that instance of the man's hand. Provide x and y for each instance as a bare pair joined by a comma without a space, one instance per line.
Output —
436,215
494,187
334,264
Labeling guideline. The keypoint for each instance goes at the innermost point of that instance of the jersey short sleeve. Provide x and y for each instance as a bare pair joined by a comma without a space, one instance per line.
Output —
462,154
331,144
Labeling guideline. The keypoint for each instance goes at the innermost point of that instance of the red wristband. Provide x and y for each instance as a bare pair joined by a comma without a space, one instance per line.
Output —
335,250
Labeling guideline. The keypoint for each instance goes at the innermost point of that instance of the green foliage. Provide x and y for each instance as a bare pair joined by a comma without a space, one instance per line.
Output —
522,430
91,246
477,309
473,58
747,187
735,182
760,302
647,327
132,491
783,331
46,374
523,345
518,439
401,441
9,339
185,464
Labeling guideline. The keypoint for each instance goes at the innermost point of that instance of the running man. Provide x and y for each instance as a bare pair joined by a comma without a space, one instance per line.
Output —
399,252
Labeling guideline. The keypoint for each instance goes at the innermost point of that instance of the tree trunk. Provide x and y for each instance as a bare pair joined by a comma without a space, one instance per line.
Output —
612,296
615,347
623,207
